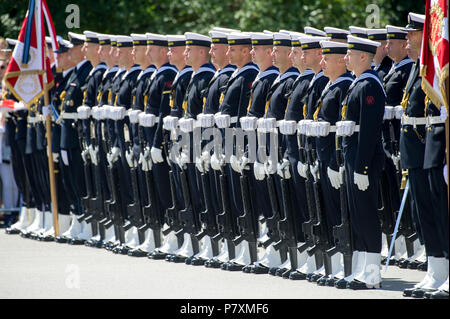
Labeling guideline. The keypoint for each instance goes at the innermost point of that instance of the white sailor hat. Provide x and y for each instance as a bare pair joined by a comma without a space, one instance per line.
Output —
361,44
358,32
281,39
76,39
377,34
268,32
295,38
394,32
224,30
91,37
48,41
174,40
261,38
64,45
11,44
415,22
139,39
239,38
104,39
113,39
218,37
309,42
335,33
156,39
333,47
197,39
314,32
124,41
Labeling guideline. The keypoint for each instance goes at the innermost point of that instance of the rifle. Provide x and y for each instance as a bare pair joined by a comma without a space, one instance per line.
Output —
225,222
173,213
320,228
342,233
208,216
247,222
151,211
307,226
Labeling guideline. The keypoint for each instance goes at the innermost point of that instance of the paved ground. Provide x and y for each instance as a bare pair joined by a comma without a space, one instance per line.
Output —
32,269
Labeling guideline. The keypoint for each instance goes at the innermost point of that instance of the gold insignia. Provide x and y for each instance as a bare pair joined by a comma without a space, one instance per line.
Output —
304,111
316,113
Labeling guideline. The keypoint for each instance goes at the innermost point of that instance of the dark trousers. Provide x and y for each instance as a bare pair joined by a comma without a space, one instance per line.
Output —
363,212
331,201
423,198
439,201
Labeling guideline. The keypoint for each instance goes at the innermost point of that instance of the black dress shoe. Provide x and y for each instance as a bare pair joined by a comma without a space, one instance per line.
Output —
273,271
137,252
330,282
157,255
309,276
408,292
440,294
296,275
213,263
168,257
391,261
341,284
76,241
235,267
322,281
280,272
224,266
403,264
12,231
61,240
420,292
247,269
287,273
25,234
315,277
198,261
188,260
422,266
47,238
413,264
359,285
178,259
399,261
260,269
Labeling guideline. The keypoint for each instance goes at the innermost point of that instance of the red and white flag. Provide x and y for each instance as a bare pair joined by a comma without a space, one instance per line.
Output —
29,72
435,52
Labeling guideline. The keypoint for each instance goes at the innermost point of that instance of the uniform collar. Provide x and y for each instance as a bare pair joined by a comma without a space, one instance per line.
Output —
79,65
207,67
134,68
369,74
269,71
185,70
307,72
248,66
149,69
67,71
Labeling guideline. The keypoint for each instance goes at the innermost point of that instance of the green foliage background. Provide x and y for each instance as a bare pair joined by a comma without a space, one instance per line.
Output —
172,17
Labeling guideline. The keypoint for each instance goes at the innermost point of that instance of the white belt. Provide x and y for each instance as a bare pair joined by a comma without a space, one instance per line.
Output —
69,116
233,119
434,120
33,119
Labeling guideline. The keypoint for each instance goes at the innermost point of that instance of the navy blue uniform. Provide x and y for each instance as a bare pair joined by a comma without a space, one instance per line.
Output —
158,104
294,112
363,154
412,150
74,177
329,110
237,95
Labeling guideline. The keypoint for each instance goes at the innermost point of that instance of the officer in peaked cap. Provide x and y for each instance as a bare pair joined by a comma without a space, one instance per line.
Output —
422,145
363,158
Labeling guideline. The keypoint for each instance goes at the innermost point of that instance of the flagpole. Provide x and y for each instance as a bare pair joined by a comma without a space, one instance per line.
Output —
51,168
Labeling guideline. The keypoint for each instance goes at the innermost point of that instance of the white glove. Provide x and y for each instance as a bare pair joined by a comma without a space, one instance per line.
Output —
445,174
206,159
145,160
18,106
55,157
362,181
235,163
271,167
130,159
46,110
302,168
65,157
215,162
182,160
85,155
199,164
156,155
93,154
334,177
243,164
114,155
443,113
259,171
314,169
283,169
396,160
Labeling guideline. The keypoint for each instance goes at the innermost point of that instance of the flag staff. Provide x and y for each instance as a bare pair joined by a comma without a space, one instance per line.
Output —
51,168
